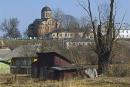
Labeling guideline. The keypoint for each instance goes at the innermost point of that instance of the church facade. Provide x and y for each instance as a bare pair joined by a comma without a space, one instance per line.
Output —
43,26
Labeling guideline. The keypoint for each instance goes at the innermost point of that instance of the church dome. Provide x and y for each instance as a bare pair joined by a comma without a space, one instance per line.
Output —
46,8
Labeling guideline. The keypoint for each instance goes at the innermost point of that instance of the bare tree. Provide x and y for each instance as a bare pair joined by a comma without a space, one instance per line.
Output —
10,27
66,21
25,33
58,15
104,36
70,22
85,26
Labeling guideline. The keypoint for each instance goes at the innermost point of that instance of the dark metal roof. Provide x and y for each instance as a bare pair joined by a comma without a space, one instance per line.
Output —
46,8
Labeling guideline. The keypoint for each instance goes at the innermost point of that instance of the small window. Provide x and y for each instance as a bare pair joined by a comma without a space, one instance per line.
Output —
73,44
80,44
65,35
41,27
127,31
61,35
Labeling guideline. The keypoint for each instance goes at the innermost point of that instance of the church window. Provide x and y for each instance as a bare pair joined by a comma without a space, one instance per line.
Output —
50,22
46,15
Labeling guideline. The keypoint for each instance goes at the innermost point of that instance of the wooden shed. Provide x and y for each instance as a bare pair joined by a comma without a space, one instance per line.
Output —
52,66
21,65
22,57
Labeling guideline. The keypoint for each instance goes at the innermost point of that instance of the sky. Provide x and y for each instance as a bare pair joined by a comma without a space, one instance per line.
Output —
28,10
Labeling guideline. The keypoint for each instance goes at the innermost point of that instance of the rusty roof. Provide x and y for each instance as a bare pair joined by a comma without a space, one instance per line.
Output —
55,54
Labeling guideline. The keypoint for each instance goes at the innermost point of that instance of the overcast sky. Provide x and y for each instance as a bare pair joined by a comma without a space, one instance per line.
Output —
28,10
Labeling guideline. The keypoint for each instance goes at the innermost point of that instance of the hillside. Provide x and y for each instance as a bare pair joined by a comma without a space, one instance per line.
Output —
120,54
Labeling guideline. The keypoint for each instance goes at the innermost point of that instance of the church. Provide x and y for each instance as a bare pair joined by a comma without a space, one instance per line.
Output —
43,26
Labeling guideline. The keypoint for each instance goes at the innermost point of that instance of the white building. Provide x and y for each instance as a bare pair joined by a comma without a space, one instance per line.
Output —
124,33
70,44
123,30
69,35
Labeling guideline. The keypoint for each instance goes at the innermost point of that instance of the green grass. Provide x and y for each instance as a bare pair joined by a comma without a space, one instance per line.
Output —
4,68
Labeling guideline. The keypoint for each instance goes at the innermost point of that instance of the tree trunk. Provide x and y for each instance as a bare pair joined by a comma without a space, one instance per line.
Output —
103,62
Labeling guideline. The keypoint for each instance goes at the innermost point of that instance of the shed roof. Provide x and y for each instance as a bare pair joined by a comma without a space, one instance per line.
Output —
4,54
55,54
64,68
24,51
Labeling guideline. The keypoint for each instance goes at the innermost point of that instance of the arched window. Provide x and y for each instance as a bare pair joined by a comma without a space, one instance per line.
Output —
45,14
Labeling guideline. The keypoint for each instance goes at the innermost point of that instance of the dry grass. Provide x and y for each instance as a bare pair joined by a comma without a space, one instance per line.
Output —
119,70
97,82
7,80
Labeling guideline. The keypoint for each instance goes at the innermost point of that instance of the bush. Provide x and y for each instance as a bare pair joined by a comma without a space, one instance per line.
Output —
4,68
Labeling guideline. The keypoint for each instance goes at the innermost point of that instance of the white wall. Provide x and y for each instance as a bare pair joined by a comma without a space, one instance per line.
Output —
124,33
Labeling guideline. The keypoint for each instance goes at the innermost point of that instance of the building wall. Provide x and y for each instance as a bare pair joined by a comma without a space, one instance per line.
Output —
46,27
60,62
77,43
21,65
69,35
123,33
